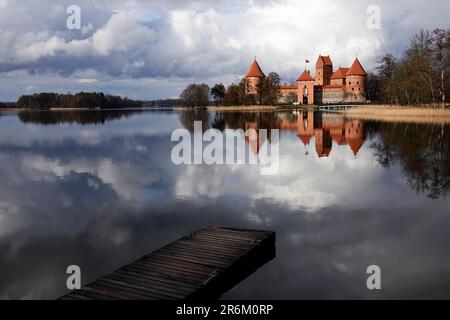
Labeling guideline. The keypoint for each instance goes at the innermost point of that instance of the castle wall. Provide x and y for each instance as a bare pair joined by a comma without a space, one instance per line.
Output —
354,98
288,89
252,85
287,94
333,95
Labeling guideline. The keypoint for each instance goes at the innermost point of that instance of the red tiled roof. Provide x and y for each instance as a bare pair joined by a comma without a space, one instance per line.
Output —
326,60
340,140
355,144
356,69
305,76
255,70
305,138
340,73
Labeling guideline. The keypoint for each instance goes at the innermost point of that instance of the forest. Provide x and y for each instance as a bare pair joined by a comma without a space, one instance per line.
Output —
89,100
420,76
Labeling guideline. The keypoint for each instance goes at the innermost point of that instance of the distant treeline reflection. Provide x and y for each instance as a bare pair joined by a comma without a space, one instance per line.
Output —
82,117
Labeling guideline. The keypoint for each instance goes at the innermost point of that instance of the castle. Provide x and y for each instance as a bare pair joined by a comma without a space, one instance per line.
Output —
345,85
324,128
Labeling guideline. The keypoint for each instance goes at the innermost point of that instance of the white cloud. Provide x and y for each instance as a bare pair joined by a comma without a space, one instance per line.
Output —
304,182
87,80
201,41
121,33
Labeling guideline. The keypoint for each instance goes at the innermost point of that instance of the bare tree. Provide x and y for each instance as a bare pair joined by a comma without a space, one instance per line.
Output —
195,95
441,61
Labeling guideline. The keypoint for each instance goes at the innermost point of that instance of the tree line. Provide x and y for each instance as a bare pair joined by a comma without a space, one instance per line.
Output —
7,105
90,100
198,95
420,76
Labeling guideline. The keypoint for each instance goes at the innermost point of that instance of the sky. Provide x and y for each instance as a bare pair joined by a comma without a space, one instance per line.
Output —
152,49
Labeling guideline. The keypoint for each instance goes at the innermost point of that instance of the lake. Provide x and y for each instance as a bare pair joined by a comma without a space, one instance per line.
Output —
98,189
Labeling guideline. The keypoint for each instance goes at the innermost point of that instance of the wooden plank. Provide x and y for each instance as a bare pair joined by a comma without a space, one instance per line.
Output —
164,286
165,273
203,265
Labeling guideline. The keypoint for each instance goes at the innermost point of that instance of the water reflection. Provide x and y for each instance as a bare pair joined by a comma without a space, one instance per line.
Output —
422,150
79,117
325,128
102,195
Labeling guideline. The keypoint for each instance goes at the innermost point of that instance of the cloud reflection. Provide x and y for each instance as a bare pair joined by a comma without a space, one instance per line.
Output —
64,201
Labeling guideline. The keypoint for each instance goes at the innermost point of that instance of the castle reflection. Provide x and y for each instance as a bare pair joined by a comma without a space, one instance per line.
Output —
323,127
326,128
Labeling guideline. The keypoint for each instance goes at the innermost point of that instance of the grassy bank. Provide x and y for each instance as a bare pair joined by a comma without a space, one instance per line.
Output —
9,109
400,113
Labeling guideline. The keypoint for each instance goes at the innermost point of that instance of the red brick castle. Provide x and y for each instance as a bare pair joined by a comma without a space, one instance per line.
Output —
345,85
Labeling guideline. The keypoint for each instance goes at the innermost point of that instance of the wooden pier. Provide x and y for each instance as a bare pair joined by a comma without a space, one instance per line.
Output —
200,266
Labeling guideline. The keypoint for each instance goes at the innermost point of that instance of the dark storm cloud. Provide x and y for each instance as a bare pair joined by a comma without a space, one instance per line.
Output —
178,42
200,39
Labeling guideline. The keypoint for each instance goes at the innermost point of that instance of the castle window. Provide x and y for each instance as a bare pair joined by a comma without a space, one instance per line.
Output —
353,89
359,89
350,83
357,82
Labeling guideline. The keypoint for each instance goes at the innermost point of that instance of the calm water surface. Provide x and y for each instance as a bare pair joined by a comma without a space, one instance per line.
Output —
98,189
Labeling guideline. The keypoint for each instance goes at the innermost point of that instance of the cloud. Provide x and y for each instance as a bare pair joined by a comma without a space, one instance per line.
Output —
202,41
87,80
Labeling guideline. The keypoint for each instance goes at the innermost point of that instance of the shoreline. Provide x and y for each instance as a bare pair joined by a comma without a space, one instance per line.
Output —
73,109
83,109
389,113
9,109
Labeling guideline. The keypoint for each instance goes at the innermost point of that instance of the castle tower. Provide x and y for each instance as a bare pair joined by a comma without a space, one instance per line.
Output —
305,88
305,126
324,70
354,135
253,79
324,143
355,83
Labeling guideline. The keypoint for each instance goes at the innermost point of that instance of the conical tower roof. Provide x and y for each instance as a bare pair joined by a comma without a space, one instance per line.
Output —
305,138
356,69
255,70
305,76
355,144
